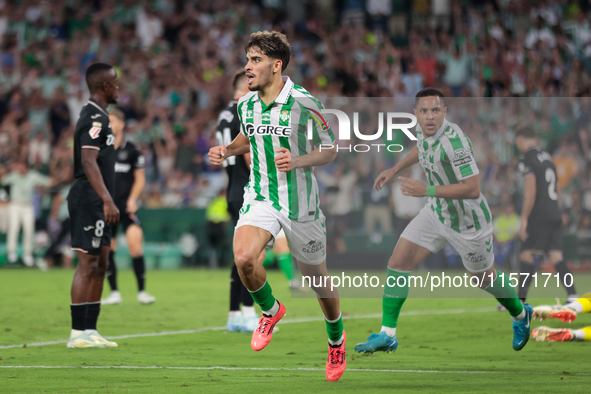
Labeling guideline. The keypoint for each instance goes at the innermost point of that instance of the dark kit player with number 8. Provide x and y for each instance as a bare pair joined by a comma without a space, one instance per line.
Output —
91,205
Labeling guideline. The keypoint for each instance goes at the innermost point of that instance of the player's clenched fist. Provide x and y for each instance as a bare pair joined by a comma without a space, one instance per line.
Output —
217,154
283,160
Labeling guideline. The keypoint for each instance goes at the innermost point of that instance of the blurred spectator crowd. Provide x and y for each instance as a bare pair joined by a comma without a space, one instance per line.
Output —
176,59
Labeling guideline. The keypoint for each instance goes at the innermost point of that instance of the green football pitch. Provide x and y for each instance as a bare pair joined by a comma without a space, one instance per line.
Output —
179,344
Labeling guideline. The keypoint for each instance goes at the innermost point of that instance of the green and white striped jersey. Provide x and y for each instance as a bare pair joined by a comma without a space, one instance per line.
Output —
283,123
447,158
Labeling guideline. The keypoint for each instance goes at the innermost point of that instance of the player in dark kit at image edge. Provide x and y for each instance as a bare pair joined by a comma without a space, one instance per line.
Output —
91,206
237,168
130,179
541,220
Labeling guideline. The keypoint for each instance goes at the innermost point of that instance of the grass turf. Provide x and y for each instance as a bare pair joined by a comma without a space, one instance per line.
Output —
472,350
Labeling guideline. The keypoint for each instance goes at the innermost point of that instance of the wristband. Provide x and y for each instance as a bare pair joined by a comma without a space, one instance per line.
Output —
431,190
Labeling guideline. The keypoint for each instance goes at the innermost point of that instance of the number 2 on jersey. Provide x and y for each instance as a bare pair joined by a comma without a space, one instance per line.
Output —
551,179
226,139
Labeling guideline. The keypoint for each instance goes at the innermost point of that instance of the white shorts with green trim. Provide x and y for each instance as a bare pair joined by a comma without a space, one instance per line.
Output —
306,240
475,248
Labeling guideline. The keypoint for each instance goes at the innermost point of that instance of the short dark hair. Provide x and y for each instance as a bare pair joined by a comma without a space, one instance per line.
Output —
428,92
272,44
526,132
237,77
94,75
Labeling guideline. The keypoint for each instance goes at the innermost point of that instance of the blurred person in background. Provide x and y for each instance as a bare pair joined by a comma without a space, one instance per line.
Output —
21,213
58,228
406,207
340,186
505,232
377,211
4,201
130,179
217,220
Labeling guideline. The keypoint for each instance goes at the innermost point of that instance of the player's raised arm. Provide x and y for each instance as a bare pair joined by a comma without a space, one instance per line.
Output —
93,173
411,159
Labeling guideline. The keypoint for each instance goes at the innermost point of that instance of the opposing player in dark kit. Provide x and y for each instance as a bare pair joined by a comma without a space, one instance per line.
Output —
238,173
130,179
91,206
541,220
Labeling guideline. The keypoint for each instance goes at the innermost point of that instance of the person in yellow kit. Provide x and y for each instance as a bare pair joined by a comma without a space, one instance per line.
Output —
565,313
217,218
505,231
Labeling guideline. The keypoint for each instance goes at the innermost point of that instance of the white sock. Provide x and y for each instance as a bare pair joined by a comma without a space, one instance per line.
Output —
577,306
336,343
519,317
390,331
579,335
76,333
572,298
235,314
273,311
248,311
90,331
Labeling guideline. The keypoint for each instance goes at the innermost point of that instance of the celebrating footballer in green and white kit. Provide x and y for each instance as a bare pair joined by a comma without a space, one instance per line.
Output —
282,192
456,212
293,195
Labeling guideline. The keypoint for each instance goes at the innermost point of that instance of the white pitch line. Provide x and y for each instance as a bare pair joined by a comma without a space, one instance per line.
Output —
284,321
222,368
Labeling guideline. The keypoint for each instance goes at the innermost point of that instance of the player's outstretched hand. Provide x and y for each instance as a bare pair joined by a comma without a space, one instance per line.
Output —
217,155
283,160
412,187
383,178
111,212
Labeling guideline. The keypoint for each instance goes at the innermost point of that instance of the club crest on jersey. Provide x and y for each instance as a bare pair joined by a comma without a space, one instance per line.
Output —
268,129
94,132
284,115
122,155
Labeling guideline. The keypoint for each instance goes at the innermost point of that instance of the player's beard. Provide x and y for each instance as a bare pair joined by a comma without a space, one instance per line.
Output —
262,80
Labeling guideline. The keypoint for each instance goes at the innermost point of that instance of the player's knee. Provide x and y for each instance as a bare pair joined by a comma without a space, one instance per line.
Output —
245,260
397,263
555,258
136,251
101,269
527,257
322,286
90,267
